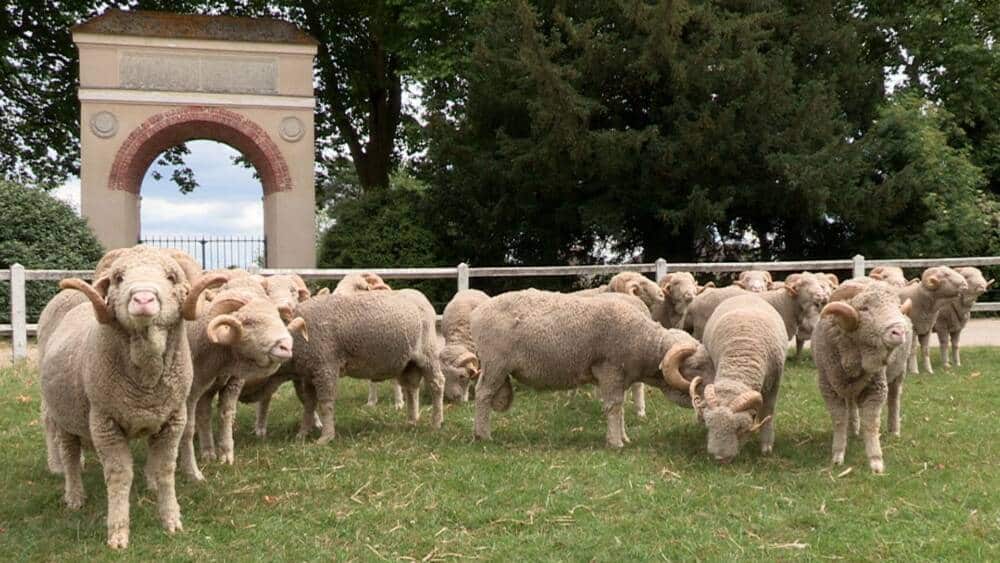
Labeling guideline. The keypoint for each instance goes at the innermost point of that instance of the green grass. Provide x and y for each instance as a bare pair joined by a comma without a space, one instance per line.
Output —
545,488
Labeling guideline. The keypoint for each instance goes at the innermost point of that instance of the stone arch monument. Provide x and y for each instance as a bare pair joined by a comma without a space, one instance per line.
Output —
153,80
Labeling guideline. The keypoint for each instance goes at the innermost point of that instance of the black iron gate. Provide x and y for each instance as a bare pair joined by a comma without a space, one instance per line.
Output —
217,252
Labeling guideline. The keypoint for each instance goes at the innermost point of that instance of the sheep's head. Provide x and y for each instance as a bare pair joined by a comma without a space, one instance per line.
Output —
461,368
636,284
253,327
680,289
891,275
977,285
756,281
943,282
140,287
729,410
285,290
357,283
872,317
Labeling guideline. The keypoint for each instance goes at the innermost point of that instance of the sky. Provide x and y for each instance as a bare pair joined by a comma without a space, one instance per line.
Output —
227,202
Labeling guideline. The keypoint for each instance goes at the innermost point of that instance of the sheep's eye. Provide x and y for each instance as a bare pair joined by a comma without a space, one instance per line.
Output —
172,277
119,278
249,322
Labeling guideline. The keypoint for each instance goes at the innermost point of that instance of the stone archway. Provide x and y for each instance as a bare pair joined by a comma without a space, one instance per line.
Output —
152,80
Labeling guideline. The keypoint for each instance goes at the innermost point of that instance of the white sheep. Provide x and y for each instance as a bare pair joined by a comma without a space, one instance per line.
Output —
458,355
937,287
953,317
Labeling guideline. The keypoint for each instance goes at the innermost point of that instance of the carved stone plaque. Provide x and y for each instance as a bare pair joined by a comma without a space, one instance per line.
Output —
199,73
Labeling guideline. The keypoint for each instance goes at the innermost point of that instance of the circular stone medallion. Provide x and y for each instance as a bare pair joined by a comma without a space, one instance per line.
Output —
291,129
104,124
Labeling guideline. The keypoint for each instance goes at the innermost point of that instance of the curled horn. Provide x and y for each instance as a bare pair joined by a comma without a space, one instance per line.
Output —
374,281
192,271
791,283
706,286
758,425
226,305
696,400
990,283
300,284
749,400
846,291
740,283
931,279
190,307
670,367
226,338
101,310
298,325
877,273
470,362
285,312
846,315
906,307
323,291
769,278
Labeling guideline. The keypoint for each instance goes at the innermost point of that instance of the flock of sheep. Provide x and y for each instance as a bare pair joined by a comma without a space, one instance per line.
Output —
144,350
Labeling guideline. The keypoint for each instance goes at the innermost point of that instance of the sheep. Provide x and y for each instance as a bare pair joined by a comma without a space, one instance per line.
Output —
853,345
938,285
554,341
458,356
679,290
118,369
830,283
241,337
953,317
373,335
891,275
798,302
756,281
747,343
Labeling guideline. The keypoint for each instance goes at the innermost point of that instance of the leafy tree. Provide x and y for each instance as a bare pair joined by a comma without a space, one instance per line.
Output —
40,232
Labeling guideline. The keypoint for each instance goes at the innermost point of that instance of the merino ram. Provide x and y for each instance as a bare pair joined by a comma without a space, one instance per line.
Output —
458,356
953,317
938,286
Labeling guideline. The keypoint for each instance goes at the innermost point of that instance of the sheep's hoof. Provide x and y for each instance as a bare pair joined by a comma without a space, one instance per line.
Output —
641,414
226,457
118,538
371,403
896,433
324,439
481,437
766,449
74,501
172,524
877,466
208,455
261,432
838,458
195,474
398,406
626,439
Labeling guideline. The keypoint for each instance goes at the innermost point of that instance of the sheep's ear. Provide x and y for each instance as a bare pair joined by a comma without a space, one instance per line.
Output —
209,294
665,284
792,288
932,282
225,330
769,278
706,286
102,285
877,273
298,325
834,281
989,284
323,291
740,283
906,307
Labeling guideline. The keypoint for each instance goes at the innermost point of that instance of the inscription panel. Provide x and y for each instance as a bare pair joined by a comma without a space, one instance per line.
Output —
199,73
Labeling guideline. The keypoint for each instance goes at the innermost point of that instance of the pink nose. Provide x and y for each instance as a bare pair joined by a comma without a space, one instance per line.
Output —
144,302
282,349
895,335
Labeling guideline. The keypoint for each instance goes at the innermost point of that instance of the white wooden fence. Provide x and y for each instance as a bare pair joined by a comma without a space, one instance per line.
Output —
17,275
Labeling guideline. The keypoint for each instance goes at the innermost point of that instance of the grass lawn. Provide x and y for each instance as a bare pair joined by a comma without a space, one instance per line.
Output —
545,488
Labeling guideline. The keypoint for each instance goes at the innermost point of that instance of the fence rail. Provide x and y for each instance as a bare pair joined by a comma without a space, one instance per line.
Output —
17,276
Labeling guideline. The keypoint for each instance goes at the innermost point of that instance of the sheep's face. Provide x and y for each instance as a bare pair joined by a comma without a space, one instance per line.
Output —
359,283
807,322
757,281
681,289
977,285
727,432
460,370
811,293
874,319
638,285
144,288
891,275
253,328
286,290
943,282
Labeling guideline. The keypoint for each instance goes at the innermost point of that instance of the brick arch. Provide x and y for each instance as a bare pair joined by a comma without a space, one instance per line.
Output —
173,127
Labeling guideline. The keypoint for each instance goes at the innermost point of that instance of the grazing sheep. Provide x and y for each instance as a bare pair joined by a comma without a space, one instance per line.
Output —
853,345
679,290
938,286
558,341
953,317
830,283
891,275
747,342
755,281
458,356
798,302
373,335
119,369
241,337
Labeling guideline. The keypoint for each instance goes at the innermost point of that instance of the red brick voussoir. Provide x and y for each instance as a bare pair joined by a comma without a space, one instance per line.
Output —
173,127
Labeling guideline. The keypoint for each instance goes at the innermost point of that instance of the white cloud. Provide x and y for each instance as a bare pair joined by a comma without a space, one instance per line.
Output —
69,192
162,216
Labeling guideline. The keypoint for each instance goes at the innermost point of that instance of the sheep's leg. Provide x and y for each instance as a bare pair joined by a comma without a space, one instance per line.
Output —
799,344
264,404
434,378
853,416
161,465
228,398
411,395
911,362
487,386
956,353
612,390
186,455
838,409
70,452
767,410
942,336
925,351
639,396
372,394
871,408
206,441
307,396
397,395
116,459
52,456
895,396
325,384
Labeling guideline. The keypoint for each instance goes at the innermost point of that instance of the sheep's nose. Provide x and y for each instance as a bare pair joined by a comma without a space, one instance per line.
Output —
143,302
689,297
282,349
895,335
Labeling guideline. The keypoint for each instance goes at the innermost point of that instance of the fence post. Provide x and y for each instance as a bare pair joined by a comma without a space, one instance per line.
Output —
661,269
463,276
859,266
18,320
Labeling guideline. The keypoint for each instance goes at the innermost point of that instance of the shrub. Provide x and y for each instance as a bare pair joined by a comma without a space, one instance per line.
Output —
40,232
